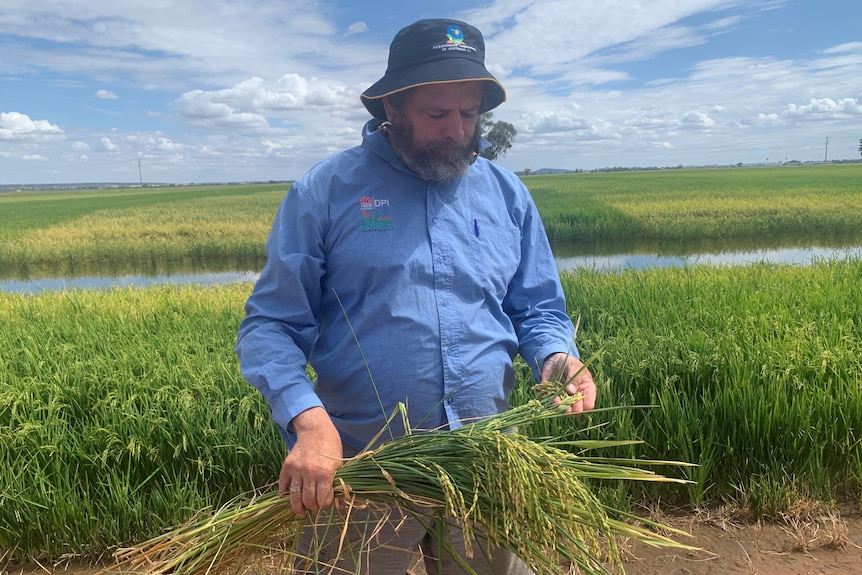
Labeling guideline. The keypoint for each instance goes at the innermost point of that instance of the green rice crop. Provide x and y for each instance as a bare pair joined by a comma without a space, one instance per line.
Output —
754,374
69,231
122,412
692,204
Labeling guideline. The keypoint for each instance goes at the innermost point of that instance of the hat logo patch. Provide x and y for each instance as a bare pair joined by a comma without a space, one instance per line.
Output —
454,41
454,35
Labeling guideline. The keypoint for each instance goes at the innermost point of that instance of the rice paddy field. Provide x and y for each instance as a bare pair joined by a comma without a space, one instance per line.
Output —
692,204
81,232
123,413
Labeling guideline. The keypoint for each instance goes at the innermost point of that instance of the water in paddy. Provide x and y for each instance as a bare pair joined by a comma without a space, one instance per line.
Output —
607,256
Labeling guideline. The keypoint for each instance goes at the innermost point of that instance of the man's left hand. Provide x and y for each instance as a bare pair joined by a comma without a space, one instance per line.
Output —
570,370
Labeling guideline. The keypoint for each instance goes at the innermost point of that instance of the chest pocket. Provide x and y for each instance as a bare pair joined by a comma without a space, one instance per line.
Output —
496,255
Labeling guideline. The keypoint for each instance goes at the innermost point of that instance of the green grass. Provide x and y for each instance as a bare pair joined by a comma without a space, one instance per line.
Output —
122,412
693,204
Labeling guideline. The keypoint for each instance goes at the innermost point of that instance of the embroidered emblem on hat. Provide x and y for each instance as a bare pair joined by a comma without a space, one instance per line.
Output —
454,35
455,42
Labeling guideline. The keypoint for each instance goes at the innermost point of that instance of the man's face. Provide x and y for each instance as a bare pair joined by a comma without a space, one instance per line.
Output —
435,130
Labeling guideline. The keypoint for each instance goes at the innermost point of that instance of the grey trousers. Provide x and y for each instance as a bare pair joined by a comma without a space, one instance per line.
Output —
379,541
384,541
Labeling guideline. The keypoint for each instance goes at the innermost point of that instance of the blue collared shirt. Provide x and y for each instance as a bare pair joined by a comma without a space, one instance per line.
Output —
395,289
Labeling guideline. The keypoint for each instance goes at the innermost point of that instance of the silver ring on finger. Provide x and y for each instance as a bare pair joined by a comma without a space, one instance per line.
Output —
295,488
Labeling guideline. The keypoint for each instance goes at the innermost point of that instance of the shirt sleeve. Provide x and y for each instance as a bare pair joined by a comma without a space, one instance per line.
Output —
535,301
278,333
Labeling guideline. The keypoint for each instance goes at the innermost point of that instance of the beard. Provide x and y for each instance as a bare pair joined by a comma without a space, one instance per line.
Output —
441,161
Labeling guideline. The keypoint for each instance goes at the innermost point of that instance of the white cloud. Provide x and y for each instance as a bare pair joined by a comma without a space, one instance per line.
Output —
199,110
697,120
549,121
105,95
246,106
546,35
827,107
844,48
107,145
769,120
724,23
178,45
356,28
19,127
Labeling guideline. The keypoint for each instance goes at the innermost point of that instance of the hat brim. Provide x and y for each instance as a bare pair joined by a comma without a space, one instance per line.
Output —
453,70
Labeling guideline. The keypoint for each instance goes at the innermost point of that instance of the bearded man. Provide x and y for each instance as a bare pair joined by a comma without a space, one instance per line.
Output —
405,270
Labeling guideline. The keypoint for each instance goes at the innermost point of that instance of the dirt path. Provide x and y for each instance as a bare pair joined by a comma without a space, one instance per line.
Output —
829,545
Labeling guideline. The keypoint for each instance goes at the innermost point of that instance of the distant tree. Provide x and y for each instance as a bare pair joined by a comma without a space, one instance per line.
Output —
500,134
860,145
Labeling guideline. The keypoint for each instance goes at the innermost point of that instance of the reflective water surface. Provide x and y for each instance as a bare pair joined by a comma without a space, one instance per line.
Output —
96,282
602,256
637,254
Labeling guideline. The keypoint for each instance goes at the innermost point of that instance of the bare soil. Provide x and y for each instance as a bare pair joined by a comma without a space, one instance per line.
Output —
829,544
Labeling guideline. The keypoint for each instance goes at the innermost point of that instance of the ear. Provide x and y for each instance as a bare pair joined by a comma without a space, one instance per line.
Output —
389,108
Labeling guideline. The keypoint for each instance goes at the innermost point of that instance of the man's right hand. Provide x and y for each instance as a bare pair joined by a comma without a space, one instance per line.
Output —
309,468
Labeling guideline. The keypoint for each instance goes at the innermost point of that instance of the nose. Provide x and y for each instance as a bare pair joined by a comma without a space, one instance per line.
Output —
454,128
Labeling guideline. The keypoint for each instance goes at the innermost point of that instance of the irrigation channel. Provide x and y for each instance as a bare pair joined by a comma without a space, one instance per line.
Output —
609,256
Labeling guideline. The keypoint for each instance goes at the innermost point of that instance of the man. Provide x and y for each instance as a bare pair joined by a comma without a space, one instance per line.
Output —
405,270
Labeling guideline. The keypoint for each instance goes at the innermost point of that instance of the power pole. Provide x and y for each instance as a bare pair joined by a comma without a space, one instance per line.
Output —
826,153
140,174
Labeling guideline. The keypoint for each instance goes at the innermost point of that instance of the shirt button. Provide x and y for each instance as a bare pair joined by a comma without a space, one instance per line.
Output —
444,303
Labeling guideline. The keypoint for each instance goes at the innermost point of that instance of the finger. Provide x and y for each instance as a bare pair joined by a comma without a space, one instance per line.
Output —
590,398
284,483
284,478
324,495
309,497
585,401
587,388
296,494
588,401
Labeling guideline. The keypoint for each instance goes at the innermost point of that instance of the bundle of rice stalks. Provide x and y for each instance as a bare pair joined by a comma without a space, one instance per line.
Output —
524,494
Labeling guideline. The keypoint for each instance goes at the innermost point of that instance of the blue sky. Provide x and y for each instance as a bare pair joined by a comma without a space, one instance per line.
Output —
249,90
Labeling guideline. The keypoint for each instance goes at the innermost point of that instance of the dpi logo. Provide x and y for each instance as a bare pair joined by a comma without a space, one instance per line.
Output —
372,220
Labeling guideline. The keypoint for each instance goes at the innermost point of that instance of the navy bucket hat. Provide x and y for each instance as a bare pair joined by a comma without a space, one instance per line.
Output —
432,52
